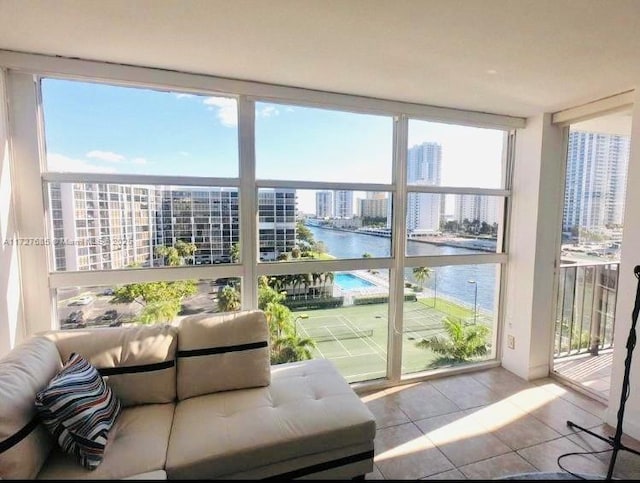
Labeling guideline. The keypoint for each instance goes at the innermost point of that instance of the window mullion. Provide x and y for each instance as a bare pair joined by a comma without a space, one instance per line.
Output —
248,202
399,241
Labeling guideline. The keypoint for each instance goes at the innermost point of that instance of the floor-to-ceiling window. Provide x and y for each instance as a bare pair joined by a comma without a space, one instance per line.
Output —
456,203
364,226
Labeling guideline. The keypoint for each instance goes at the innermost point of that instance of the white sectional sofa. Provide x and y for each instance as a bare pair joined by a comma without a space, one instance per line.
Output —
199,401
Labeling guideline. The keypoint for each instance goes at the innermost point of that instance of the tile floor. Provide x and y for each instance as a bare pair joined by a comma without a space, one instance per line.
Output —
489,424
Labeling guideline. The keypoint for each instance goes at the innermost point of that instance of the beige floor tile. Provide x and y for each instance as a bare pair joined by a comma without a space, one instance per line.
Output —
374,475
465,391
584,402
533,398
421,401
386,411
503,465
512,425
555,414
626,465
544,457
403,452
501,381
447,475
590,442
461,438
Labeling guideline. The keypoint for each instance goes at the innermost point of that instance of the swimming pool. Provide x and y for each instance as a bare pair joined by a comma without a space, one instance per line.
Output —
348,281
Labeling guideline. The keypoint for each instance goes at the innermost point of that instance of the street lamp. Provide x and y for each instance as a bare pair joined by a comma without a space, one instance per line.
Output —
295,323
435,287
475,299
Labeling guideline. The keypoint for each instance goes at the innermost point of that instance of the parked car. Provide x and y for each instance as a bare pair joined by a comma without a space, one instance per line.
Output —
75,320
108,291
84,300
110,315
75,317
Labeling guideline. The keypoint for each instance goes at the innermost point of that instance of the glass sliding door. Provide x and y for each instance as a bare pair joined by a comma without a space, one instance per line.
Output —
589,258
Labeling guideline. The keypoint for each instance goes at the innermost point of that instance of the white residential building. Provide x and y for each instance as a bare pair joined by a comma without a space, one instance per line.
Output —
324,204
596,181
424,210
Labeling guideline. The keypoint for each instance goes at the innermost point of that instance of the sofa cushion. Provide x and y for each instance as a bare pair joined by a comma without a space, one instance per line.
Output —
138,361
307,409
222,352
24,442
137,444
79,409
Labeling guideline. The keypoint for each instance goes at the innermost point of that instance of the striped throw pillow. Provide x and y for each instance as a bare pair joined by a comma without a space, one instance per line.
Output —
79,409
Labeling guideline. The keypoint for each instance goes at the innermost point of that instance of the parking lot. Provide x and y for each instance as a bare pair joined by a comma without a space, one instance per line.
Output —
98,310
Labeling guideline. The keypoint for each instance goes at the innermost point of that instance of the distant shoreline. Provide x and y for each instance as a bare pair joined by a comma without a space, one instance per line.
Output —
461,242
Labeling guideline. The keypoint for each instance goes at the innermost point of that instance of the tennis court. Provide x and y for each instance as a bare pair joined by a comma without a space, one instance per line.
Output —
355,337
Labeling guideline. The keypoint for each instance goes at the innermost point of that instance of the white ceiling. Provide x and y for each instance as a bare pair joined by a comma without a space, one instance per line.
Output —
516,57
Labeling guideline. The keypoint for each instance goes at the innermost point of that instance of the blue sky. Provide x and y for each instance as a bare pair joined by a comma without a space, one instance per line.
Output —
92,127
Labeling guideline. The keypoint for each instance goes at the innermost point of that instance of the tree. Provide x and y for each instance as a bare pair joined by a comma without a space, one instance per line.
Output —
366,255
234,252
160,301
421,274
177,254
229,299
304,234
462,342
291,348
267,294
285,344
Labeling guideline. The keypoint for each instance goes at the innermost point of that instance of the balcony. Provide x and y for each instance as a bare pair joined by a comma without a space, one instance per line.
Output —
585,324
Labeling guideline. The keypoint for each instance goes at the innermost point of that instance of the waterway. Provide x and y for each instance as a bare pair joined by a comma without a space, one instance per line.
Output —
450,281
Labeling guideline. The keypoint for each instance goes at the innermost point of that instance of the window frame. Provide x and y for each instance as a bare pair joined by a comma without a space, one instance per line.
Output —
24,71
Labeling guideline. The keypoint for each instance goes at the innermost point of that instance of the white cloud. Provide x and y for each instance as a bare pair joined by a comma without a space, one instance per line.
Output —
60,162
227,110
109,156
268,111
182,95
139,161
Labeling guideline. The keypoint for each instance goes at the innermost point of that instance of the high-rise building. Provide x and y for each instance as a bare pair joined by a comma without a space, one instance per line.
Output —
595,183
207,217
477,207
343,204
110,226
277,221
424,210
100,226
324,204
373,207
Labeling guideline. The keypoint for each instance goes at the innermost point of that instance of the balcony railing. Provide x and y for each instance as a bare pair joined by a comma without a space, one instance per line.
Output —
585,310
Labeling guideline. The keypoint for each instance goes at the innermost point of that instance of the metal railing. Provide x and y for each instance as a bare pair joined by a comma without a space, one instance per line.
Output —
585,309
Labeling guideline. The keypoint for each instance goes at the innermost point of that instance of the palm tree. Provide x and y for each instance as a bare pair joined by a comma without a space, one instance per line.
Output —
285,344
229,299
421,274
462,342
291,348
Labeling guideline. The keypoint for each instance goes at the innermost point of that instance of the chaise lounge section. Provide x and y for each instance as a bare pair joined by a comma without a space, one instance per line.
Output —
199,401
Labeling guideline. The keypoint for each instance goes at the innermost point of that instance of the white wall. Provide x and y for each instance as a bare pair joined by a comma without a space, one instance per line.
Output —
630,257
11,322
533,245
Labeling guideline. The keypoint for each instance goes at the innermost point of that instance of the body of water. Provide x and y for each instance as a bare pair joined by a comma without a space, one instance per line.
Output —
450,281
